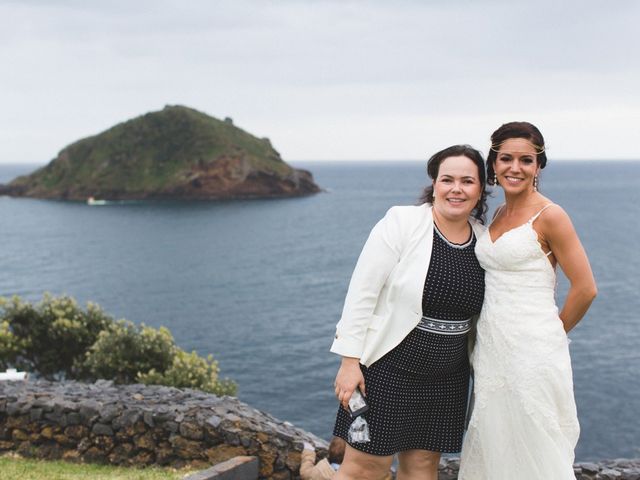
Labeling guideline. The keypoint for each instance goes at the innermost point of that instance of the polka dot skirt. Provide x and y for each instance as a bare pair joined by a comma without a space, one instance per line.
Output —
417,393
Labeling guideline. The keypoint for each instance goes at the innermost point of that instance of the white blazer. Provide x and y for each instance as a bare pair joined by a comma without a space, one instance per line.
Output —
384,300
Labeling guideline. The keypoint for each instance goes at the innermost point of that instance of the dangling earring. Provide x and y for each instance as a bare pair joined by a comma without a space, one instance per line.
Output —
535,183
495,178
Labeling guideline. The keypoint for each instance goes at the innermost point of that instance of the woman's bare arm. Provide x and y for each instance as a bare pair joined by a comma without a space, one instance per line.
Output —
560,236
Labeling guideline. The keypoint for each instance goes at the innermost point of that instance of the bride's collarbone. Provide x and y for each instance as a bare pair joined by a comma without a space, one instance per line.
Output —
509,219
504,224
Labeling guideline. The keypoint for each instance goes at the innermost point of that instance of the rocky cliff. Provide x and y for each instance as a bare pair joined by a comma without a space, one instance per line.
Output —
176,153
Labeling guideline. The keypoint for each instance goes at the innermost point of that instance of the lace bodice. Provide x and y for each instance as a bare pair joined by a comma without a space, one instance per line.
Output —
518,272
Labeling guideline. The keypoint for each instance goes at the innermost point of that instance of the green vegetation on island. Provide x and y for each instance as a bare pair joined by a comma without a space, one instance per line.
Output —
175,153
56,338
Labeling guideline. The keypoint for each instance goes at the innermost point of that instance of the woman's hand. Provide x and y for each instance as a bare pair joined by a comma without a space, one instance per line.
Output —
349,377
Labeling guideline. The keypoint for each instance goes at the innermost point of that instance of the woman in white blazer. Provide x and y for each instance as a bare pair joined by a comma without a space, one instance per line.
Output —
406,322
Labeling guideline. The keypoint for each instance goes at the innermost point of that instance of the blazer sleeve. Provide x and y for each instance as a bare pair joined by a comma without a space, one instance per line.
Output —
380,254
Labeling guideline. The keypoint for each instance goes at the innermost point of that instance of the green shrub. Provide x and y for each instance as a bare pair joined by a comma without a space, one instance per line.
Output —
52,337
123,350
189,370
56,338
9,346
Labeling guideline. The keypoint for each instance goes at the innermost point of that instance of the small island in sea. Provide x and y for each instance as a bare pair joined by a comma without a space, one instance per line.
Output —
175,153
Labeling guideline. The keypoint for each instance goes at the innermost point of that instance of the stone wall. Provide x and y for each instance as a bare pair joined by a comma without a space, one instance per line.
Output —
142,425
620,469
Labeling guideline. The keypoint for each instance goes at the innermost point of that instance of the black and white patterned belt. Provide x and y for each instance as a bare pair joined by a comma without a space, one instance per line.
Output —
445,327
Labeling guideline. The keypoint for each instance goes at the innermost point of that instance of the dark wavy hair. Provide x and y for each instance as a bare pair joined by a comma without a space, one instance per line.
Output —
433,167
509,130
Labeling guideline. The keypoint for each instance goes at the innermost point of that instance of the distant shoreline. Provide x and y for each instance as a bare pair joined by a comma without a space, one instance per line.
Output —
360,161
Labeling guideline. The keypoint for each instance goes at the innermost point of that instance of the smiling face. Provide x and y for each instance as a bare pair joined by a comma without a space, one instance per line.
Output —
457,188
516,165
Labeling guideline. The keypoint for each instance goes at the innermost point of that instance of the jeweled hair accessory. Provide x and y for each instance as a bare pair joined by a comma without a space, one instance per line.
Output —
496,147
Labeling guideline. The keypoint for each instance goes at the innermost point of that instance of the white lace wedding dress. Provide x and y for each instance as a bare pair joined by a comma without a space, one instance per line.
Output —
524,423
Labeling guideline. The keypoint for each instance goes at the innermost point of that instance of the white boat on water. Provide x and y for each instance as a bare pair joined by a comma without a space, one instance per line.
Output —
93,201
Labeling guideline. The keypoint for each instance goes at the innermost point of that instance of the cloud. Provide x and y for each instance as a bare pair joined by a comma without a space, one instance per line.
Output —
320,77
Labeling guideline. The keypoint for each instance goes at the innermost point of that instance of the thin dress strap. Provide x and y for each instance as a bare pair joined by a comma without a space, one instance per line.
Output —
533,219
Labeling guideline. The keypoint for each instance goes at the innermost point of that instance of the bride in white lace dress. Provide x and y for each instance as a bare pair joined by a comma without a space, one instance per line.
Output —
524,423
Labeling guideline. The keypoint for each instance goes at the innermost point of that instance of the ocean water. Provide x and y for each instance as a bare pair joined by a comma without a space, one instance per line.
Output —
260,284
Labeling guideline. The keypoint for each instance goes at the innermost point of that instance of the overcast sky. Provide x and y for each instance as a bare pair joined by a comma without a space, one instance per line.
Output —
326,80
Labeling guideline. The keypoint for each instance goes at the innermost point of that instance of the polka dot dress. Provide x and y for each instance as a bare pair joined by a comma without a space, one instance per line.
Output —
417,393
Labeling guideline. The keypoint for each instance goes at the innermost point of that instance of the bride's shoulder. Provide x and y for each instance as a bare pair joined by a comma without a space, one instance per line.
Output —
552,211
554,220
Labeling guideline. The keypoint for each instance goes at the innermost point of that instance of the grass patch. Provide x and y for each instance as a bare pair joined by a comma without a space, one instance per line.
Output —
16,468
